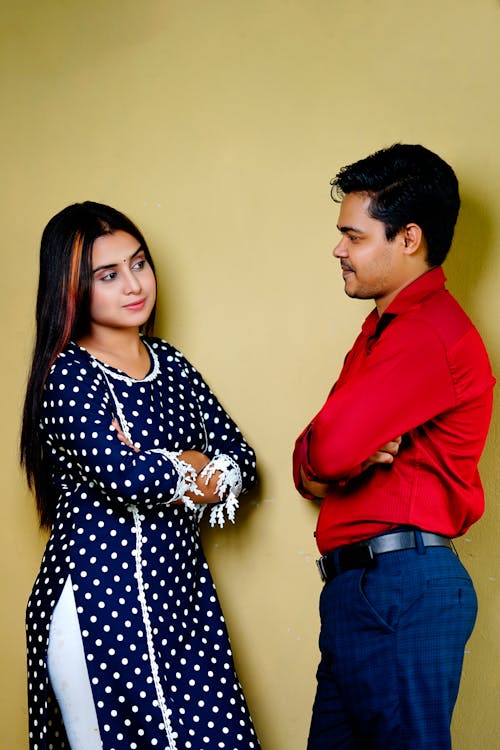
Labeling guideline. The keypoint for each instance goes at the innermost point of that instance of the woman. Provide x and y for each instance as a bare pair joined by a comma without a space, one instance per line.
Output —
124,446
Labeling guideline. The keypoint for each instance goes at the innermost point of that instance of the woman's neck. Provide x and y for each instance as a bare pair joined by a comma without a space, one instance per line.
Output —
118,348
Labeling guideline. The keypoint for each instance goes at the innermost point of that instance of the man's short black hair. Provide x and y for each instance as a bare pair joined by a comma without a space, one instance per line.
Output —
407,184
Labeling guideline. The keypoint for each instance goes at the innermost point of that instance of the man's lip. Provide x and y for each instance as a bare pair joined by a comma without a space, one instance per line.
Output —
346,269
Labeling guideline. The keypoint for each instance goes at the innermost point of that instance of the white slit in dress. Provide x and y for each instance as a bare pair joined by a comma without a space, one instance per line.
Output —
69,676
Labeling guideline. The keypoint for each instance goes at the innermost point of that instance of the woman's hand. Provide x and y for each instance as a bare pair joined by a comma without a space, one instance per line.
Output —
207,486
122,437
196,459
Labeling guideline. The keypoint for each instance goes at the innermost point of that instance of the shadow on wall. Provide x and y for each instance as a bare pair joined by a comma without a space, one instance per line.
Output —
470,262
471,251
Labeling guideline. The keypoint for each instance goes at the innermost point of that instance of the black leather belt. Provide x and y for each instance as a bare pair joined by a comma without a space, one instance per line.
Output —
363,554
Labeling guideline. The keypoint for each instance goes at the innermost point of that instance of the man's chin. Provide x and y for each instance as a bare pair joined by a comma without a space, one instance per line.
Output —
357,293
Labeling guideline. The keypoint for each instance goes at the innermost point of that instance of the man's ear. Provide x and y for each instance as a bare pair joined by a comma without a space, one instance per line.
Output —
412,236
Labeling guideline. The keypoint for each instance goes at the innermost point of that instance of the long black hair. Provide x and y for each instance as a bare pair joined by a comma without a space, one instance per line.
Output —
63,314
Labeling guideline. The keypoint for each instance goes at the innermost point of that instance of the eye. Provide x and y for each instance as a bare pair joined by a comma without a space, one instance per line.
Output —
139,265
109,276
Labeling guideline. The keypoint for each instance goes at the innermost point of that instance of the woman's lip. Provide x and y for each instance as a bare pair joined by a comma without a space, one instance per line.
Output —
135,305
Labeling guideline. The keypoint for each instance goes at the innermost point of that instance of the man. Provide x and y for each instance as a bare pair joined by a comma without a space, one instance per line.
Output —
394,454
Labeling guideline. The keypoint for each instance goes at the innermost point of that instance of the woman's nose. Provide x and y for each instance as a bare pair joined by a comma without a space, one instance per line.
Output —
131,283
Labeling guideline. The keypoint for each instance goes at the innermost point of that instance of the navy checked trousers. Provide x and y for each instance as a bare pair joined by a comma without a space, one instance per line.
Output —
392,645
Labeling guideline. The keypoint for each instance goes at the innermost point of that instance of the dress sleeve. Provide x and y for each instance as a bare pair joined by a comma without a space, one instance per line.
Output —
78,438
228,451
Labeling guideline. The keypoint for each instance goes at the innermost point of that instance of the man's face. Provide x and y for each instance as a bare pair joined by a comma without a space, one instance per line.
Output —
372,266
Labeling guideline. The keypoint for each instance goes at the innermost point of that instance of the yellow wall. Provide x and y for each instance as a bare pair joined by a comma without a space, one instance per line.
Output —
217,126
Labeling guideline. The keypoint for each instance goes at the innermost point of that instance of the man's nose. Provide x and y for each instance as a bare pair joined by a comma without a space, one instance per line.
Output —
340,249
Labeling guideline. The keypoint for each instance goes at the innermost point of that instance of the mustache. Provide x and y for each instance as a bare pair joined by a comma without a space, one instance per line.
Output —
346,266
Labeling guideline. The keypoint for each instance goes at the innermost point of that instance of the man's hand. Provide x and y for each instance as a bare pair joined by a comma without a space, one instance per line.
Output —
318,489
384,455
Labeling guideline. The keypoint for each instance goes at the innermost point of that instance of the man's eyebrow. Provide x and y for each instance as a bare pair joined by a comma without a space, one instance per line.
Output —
344,229
113,265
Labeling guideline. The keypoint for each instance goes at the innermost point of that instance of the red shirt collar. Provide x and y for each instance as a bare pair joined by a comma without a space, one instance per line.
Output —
430,282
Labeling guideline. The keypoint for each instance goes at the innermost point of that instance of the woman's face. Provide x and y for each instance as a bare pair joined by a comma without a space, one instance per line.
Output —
123,284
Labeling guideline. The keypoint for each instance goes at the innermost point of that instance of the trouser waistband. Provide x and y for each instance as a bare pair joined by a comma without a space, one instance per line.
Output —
363,554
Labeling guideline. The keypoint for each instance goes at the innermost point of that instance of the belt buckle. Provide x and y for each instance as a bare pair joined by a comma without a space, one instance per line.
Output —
356,556
321,568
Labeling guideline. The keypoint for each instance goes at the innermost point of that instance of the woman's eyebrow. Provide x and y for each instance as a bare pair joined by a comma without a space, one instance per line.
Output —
113,265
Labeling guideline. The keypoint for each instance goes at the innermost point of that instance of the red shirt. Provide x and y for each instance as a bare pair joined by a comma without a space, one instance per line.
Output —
421,371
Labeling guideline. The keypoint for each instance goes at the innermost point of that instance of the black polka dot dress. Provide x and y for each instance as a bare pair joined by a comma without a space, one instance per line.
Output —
155,642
